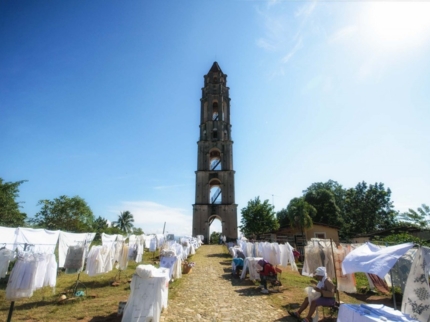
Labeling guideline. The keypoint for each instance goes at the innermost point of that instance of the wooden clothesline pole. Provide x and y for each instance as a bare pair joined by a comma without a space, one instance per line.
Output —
335,275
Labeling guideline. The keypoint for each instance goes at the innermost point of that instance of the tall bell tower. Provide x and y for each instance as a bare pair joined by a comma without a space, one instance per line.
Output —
215,175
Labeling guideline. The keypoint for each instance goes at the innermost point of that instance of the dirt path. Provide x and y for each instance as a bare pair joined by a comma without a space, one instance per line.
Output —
210,293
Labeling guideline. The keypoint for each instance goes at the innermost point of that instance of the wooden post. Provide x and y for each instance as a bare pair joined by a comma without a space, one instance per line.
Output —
334,266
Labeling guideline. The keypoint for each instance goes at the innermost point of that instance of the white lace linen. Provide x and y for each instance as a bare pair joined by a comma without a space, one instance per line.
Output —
251,264
416,298
169,263
149,293
287,256
123,258
345,282
44,241
67,240
140,248
370,258
6,255
109,239
30,272
318,253
99,260
8,237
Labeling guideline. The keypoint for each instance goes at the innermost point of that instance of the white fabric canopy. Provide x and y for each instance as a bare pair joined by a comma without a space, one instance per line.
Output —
8,236
72,239
44,241
369,258
108,239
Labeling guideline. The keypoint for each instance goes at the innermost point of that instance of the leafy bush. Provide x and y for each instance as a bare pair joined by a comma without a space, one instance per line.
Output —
401,238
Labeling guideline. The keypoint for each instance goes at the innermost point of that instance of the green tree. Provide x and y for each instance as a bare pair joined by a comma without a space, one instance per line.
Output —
283,219
137,231
420,217
327,211
300,214
114,231
100,225
336,189
258,218
368,209
64,213
214,238
125,222
10,215
401,238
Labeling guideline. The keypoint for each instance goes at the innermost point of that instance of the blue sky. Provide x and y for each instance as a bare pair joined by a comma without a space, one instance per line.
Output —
101,99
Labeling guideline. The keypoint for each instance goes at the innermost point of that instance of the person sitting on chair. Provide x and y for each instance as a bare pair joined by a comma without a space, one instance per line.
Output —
325,287
238,265
267,272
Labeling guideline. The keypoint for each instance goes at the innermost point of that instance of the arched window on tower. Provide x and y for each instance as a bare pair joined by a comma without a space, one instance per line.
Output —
215,133
215,111
215,160
215,192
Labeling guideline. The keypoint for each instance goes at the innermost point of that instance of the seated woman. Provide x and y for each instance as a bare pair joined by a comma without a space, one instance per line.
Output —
267,272
237,265
326,287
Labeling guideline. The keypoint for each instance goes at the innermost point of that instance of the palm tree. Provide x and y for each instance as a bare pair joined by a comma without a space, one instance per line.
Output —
300,214
125,222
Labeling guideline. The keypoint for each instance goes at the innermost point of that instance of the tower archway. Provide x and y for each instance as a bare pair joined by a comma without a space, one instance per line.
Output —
215,225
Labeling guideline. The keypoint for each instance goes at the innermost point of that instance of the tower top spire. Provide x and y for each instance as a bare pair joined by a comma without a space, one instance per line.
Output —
215,68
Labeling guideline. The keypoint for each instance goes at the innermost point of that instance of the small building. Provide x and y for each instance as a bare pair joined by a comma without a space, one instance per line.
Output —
318,230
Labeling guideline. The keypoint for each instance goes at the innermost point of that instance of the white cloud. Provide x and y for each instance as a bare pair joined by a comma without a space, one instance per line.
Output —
274,30
265,44
320,82
306,10
284,32
296,47
344,33
151,216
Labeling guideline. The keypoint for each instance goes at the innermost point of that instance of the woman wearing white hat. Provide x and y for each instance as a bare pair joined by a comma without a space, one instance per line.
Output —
325,297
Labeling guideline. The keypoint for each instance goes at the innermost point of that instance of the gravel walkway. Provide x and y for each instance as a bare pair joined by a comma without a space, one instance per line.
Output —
211,293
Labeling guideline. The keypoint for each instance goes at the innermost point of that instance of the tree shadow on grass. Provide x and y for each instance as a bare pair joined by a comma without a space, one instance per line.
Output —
287,318
236,281
226,262
91,285
252,291
371,298
27,306
221,255
114,317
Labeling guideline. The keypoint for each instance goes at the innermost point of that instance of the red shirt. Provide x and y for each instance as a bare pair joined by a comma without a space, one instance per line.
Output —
268,270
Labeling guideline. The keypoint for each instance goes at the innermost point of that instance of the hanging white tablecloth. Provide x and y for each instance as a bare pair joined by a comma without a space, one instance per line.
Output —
369,258
251,264
370,313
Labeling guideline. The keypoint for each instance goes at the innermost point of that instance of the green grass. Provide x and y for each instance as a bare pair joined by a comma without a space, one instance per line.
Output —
101,298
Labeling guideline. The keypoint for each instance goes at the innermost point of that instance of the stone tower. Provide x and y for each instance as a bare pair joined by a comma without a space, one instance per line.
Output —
215,174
